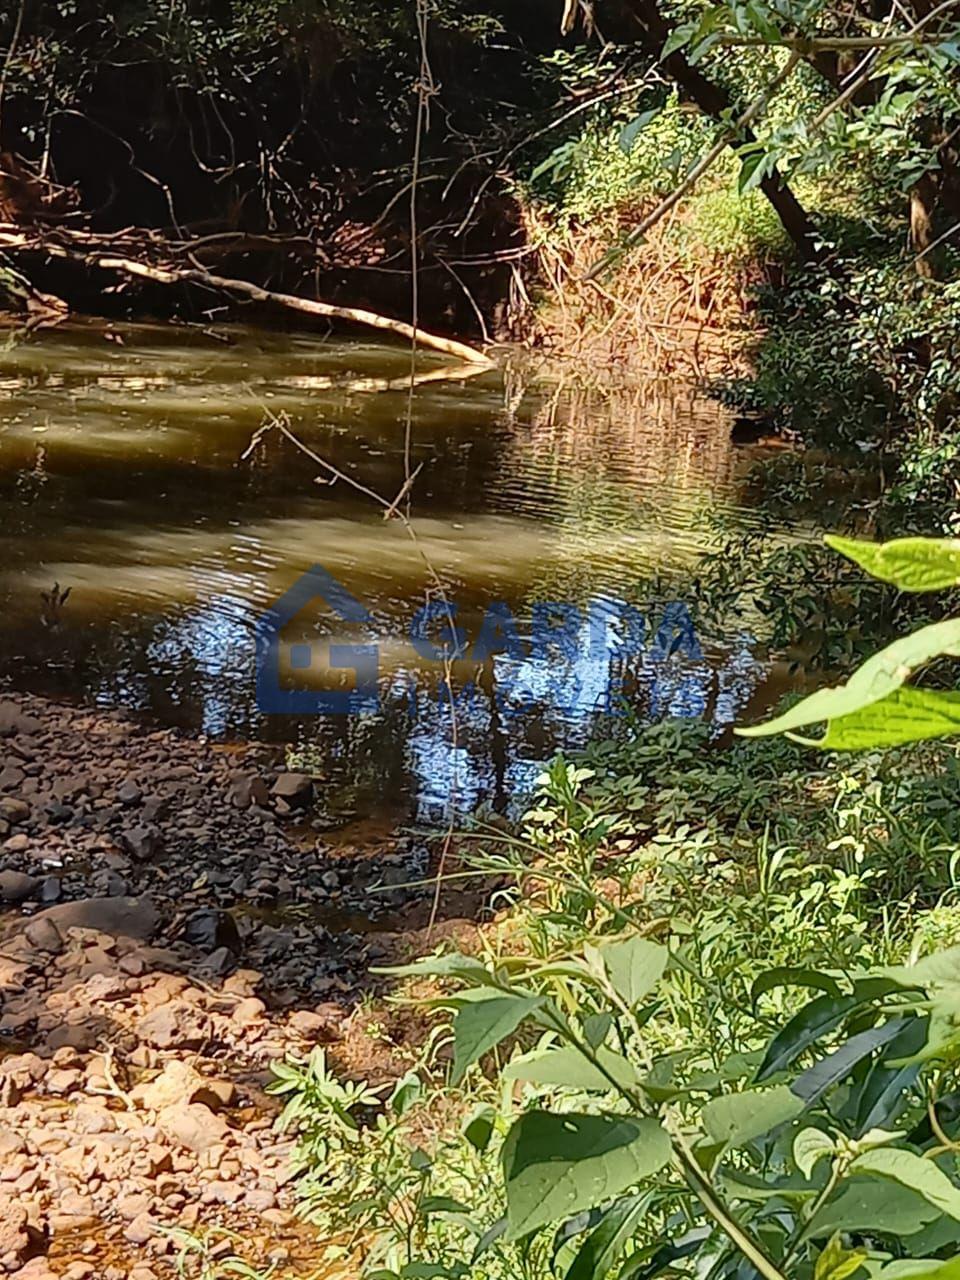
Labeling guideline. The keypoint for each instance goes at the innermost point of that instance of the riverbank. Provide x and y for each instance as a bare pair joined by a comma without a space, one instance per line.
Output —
173,925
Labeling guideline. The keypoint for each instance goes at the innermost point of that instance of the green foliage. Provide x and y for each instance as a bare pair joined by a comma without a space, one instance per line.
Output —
770,1029
874,708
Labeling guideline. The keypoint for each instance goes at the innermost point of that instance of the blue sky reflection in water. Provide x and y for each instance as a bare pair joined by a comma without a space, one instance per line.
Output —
121,477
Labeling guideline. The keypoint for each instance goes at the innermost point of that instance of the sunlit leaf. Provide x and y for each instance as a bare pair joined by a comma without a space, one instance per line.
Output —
906,715
809,1147
568,1066
557,1165
877,678
481,1025
909,1170
912,564
735,1119
634,967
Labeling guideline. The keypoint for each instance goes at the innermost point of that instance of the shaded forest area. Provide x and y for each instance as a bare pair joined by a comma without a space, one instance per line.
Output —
274,142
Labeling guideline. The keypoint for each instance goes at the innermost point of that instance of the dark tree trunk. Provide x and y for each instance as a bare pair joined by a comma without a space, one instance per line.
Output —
714,101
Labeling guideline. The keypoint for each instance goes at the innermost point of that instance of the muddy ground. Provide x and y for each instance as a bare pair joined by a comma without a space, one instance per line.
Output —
173,918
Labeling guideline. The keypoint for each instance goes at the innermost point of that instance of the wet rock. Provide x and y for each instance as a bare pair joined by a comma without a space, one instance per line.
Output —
249,789
219,962
17,844
294,789
43,934
129,793
211,929
16,886
51,889
125,917
13,810
142,843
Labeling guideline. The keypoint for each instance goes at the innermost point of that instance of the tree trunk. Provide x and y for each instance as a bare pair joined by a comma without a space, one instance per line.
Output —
714,101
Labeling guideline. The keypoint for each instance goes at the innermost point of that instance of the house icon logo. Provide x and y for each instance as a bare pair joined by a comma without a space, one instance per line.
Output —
363,659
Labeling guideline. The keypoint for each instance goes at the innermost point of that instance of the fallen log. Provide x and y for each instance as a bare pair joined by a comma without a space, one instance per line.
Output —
113,254
355,315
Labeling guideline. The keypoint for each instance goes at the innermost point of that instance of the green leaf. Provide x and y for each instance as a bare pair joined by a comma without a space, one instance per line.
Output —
604,1245
441,1204
557,1165
804,1029
883,1094
679,37
478,1129
876,679
811,1084
630,132
921,1176
489,1239
809,1147
568,1066
921,1269
792,976
912,564
737,1118
634,967
836,1262
479,1026
906,715
467,968
863,1205
596,1028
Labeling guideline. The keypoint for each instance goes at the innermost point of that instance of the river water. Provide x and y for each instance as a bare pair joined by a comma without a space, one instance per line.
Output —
543,507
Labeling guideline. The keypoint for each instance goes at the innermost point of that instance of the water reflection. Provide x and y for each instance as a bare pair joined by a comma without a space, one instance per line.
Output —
121,477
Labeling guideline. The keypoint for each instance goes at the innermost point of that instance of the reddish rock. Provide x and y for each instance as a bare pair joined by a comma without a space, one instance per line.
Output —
193,1126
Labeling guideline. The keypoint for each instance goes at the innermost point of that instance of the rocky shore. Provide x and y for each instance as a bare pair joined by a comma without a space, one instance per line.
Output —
171,924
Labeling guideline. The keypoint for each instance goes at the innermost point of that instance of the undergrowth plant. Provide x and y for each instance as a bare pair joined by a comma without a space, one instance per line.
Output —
715,1031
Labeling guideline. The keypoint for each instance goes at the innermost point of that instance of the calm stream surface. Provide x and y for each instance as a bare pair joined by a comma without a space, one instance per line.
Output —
121,477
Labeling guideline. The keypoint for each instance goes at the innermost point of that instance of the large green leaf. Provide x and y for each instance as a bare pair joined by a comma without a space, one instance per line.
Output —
906,715
866,1205
737,1118
453,965
813,1083
912,564
568,1066
921,1269
792,976
804,1029
914,1172
634,967
883,1094
482,1024
876,679
604,1245
557,1165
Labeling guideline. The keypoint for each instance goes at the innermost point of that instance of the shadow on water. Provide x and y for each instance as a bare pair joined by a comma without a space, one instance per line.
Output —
121,479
